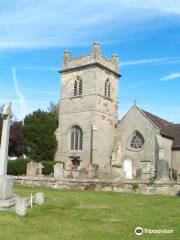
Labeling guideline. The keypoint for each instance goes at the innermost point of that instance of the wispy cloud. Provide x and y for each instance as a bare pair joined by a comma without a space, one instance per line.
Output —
36,23
150,61
170,76
23,104
39,68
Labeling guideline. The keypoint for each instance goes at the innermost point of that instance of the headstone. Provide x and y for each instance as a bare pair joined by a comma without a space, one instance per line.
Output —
31,169
39,198
21,206
58,170
39,169
162,171
6,182
34,169
145,170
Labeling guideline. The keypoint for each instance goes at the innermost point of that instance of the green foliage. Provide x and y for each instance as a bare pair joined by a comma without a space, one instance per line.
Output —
17,167
135,186
54,110
39,128
48,167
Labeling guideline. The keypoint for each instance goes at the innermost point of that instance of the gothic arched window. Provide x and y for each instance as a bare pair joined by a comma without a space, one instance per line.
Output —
137,141
107,90
76,138
75,88
78,86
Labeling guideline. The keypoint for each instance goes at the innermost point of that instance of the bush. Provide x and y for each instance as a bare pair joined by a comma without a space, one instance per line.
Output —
48,167
17,167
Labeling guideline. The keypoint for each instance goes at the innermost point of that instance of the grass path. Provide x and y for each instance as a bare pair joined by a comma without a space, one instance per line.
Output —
80,215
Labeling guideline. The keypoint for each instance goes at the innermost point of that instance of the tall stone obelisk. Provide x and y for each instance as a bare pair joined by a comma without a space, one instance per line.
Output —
6,182
5,139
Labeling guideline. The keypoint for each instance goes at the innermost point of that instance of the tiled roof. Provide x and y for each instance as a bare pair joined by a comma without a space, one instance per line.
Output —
167,129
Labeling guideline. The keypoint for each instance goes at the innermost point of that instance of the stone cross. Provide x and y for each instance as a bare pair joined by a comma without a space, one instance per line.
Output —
5,139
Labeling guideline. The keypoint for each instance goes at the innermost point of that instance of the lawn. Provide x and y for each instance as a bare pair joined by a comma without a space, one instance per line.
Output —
85,215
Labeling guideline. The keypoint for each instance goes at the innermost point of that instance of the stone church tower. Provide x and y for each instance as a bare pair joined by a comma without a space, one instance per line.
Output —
88,110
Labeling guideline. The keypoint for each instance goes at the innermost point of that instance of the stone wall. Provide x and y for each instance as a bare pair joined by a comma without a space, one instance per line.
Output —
135,120
130,186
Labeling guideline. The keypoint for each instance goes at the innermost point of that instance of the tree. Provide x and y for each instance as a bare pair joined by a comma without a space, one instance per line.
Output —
54,110
16,140
39,132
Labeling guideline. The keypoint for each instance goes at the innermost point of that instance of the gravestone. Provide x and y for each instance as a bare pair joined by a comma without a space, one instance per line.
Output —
39,198
34,169
145,170
6,182
58,170
162,171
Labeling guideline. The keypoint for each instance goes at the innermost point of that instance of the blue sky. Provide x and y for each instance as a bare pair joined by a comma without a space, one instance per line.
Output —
145,35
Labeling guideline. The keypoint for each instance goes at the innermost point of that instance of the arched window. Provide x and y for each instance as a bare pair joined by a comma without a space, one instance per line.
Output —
76,138
75,88
107,90
78,86
137,141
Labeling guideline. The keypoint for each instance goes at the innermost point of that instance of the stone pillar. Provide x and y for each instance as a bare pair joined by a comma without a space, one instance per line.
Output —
6,182
5,139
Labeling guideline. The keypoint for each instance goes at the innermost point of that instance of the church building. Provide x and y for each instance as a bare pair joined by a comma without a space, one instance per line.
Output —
92,138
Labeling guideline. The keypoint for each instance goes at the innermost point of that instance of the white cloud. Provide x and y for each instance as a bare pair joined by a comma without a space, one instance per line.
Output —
170,76
165,60
22,101
37,23
166,6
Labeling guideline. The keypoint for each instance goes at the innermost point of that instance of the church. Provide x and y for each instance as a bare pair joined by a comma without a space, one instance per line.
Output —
93,140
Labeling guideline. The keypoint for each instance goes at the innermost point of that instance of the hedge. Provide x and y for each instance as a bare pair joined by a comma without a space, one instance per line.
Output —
18,167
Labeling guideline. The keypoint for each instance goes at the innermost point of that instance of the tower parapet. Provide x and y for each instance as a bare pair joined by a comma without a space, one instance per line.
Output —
95,58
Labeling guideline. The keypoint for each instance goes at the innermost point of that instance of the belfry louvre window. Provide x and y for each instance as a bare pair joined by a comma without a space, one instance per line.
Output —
137,141
76,138
78,86
107,90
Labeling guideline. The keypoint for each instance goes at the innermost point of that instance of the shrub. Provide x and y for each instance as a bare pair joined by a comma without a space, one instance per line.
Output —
17,167
48,167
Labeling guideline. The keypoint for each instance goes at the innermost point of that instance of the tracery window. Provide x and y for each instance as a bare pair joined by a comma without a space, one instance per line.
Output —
137,141
107,90
78,86
76,138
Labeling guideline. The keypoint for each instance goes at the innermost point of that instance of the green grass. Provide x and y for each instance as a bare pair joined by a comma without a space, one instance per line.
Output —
80,215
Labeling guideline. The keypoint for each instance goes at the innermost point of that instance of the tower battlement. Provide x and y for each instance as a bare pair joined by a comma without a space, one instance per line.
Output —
95,58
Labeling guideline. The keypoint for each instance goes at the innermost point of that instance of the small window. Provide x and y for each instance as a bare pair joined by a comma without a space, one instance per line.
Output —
78,86
137,141
107,90
75,88
76,138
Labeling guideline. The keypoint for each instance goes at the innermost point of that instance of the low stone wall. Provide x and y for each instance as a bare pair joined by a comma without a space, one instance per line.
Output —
131,186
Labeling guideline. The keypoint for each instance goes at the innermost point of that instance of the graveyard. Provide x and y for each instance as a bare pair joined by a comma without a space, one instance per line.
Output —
74,215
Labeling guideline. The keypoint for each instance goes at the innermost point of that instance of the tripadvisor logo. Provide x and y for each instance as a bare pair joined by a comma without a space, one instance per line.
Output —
139,231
